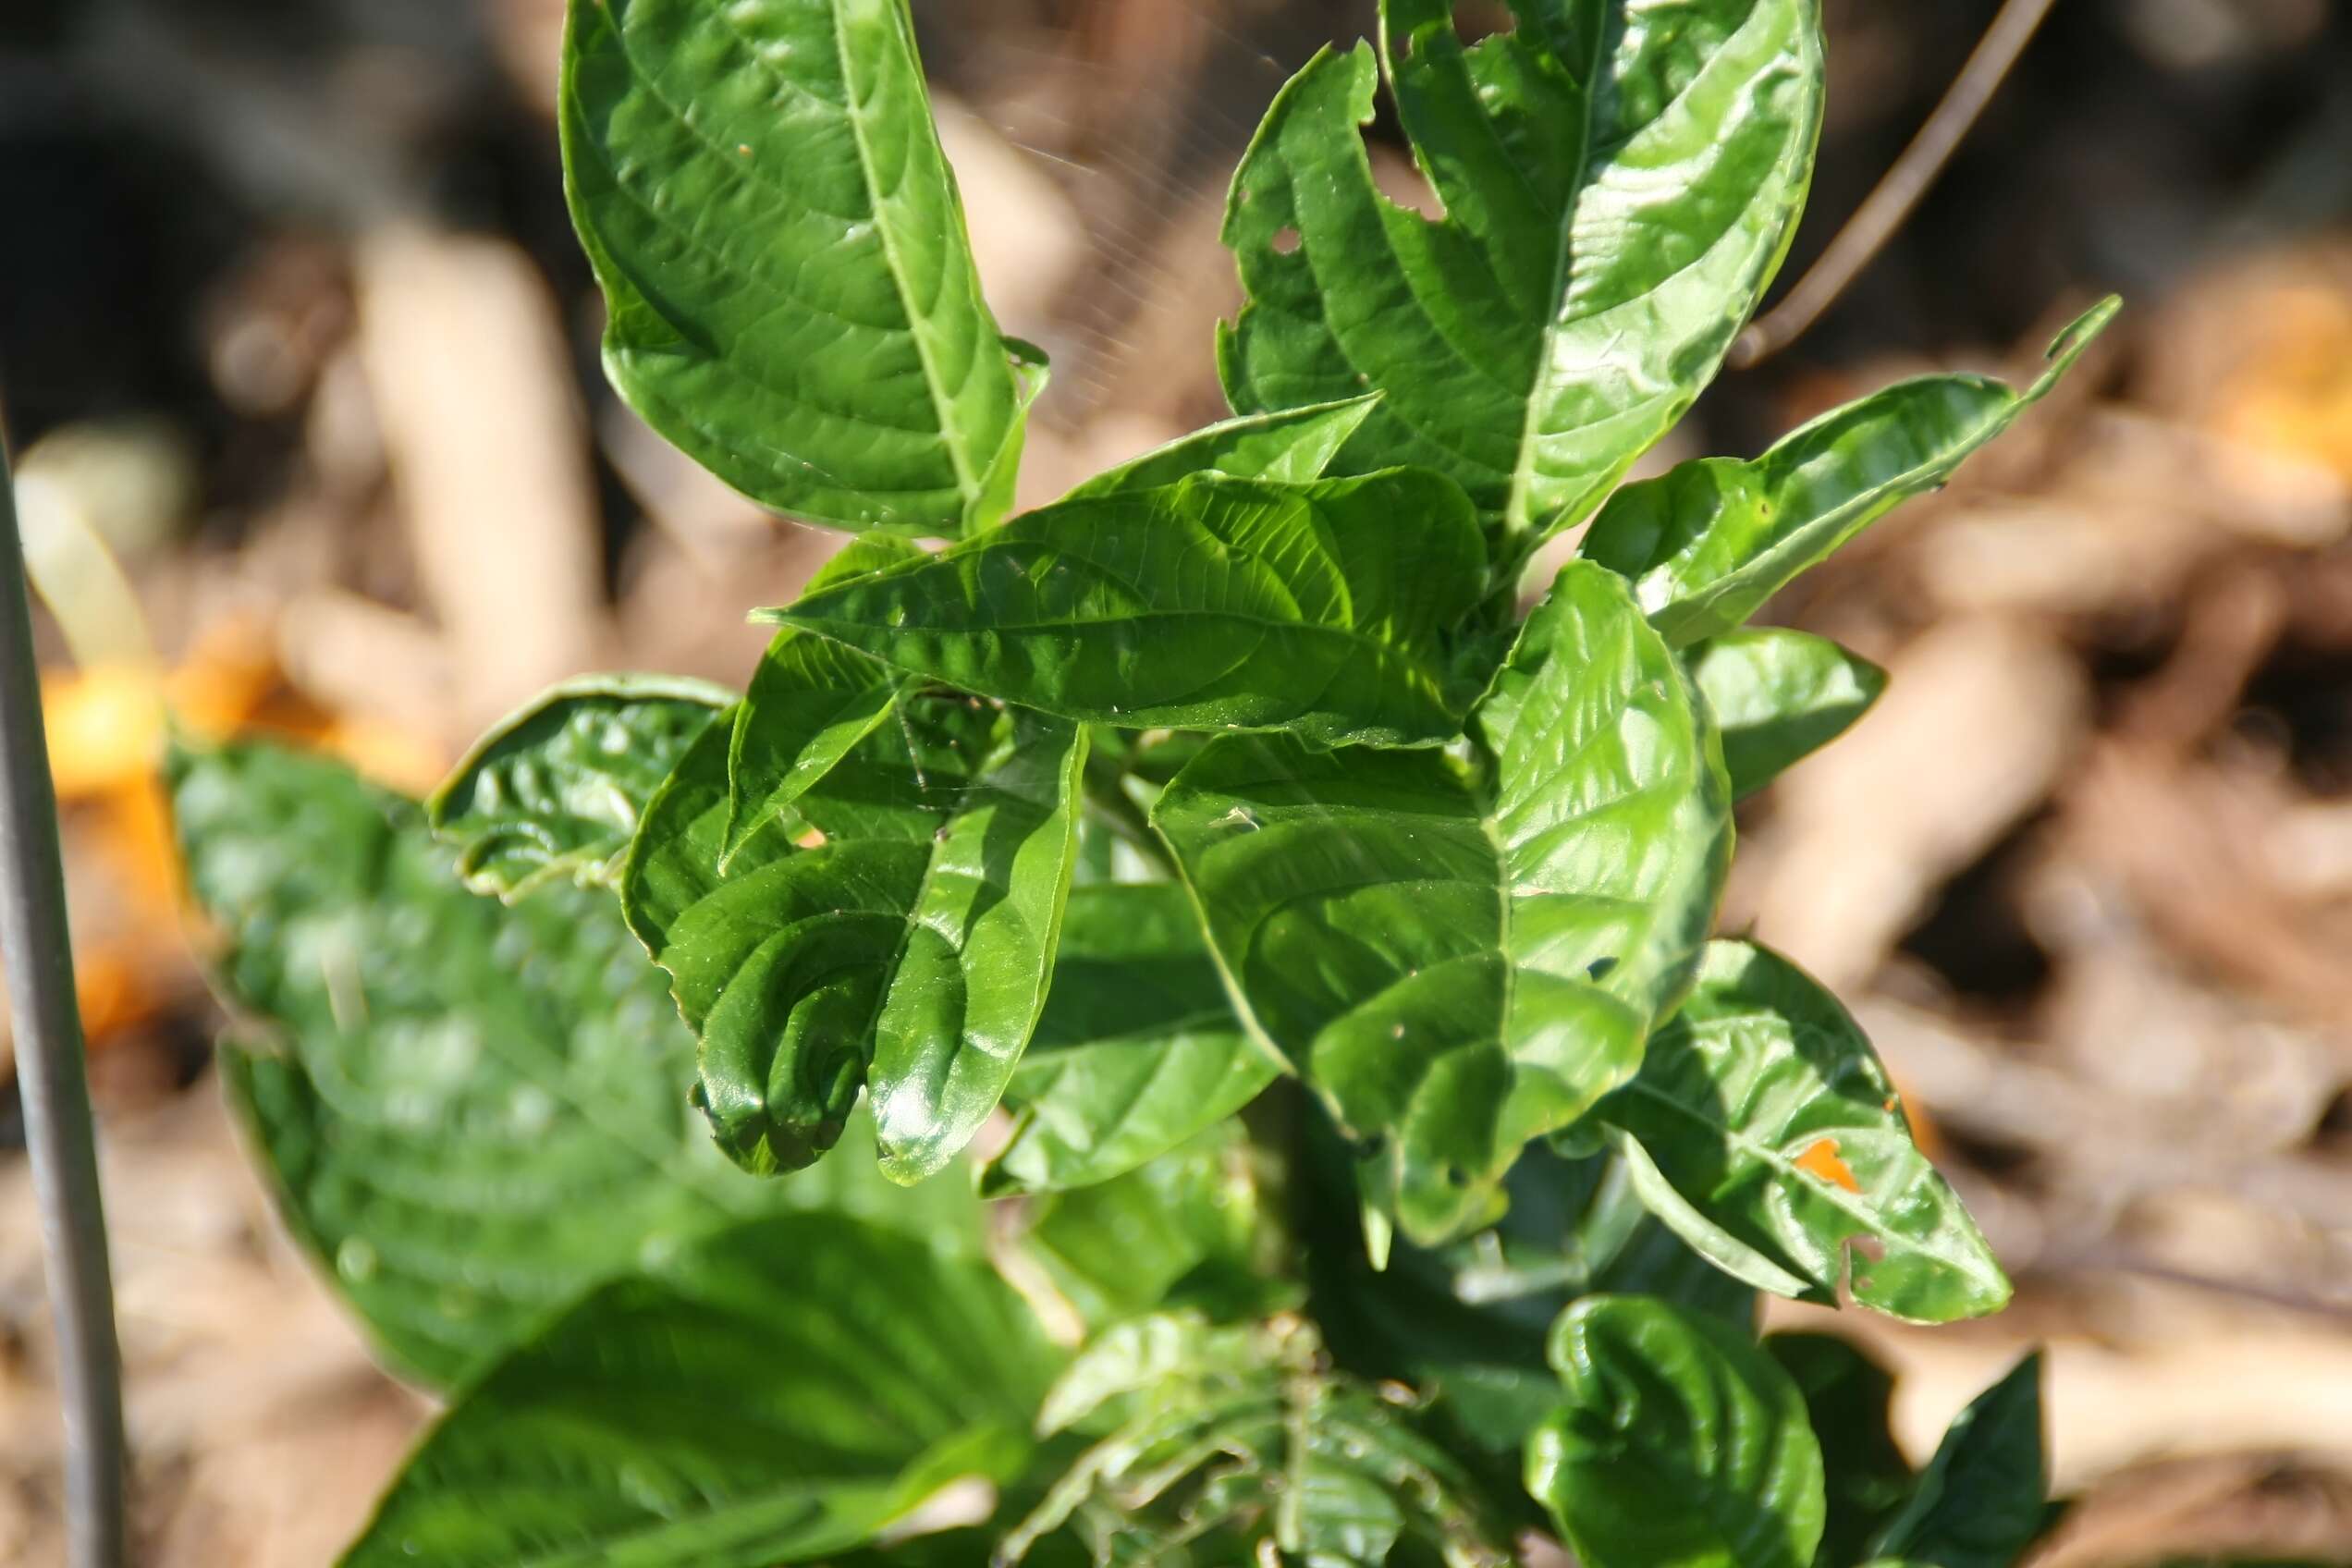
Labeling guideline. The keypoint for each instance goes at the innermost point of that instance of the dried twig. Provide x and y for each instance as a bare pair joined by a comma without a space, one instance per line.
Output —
1875,222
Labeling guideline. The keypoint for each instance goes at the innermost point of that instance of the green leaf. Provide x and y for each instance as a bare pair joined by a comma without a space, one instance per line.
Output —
1294,447
468,1112
1467,1323
909,951
791,293
1847,1395
1979,1503
1784,1153
1617,193
1461,960
776,1393
1680,1442
1227,1445
810,703
1191,1228
1217,602
1779,697
1137,1051
557,789
1709,542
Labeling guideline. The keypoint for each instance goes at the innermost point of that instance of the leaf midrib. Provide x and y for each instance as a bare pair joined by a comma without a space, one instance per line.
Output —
1836,1196
854,110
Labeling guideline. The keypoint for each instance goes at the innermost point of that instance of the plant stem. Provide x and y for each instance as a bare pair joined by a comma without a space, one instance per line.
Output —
1107,793
59,1138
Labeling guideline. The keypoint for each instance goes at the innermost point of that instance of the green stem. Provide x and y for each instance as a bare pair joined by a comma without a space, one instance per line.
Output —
52,1082
1106,796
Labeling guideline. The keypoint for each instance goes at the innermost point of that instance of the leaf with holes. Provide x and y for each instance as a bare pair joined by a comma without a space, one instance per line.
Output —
1709,542
789,291
1330,609
1618,185
468,1112
908,953
1137,1049
1460,960
1679,1441
1779,697
779,1393
1777,1146
555,790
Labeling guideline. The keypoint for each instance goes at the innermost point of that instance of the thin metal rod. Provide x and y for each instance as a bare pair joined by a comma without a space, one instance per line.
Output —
1882,214
52,1082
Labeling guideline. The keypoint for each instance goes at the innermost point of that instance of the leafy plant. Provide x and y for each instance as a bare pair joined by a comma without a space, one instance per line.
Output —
1214,1009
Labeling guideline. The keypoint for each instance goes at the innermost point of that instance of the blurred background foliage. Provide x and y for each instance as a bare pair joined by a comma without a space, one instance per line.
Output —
292,325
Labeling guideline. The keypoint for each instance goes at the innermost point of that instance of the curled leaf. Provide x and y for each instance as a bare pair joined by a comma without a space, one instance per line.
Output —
557,789
1679,1441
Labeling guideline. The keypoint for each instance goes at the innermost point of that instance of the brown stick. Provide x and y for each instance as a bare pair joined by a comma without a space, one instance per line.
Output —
1882,214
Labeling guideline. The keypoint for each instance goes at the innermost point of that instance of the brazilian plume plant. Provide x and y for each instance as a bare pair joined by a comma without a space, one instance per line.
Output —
1307,906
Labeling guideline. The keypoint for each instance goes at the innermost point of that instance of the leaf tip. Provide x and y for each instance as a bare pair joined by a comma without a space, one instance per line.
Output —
2079,334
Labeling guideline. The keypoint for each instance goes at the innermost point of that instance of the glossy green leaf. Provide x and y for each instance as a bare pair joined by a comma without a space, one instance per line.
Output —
1709,542
790,294
1679,1442
1294,447
1191,1228
468,1112
1329,609
1137,1049
908,953
1778,696
1784,1153
810,703
1231,1445
1619,185
1847,1396
557,790
1467,1323
1980,1501
776,1393
1460,961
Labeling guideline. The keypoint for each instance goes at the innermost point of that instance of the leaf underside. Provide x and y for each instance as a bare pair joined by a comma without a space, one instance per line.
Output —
557,789
1778,696
776,1393
468,1112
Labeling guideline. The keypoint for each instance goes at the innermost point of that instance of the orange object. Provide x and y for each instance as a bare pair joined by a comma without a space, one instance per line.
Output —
1823,1160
